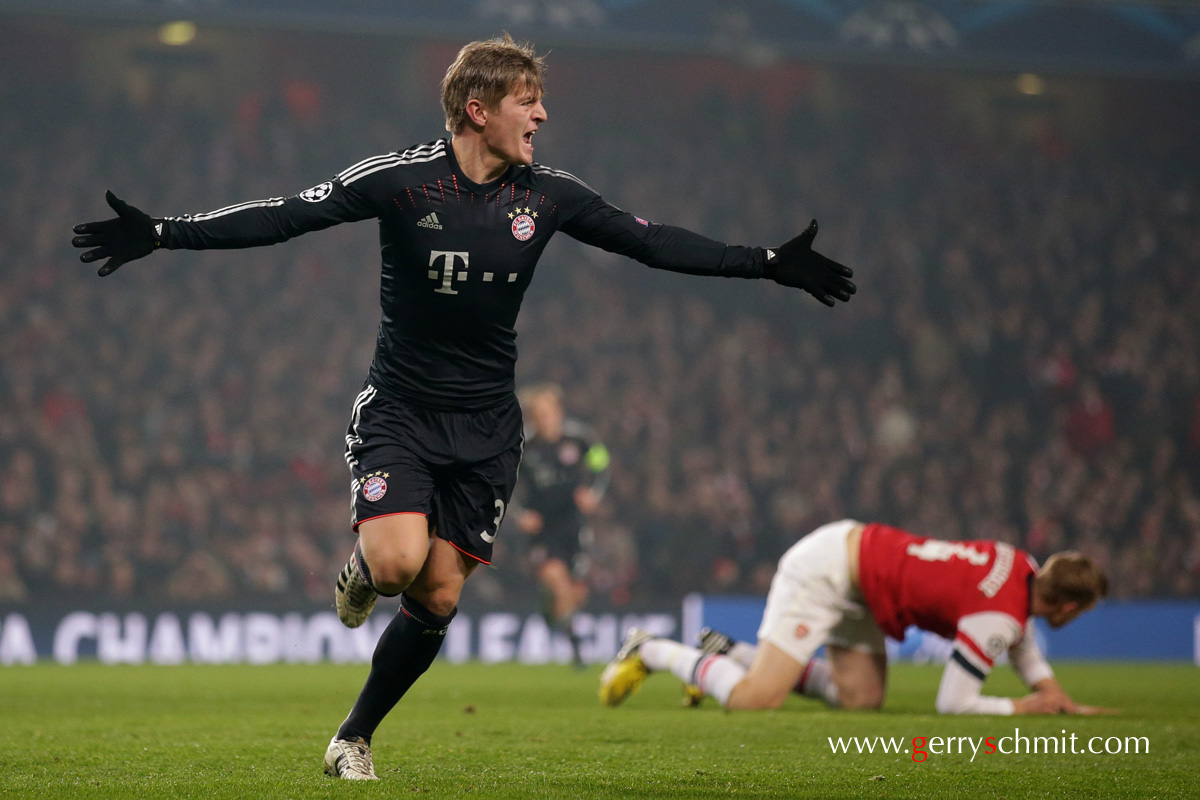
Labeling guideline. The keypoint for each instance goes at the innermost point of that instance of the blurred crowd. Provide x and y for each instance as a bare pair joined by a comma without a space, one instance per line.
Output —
1022,360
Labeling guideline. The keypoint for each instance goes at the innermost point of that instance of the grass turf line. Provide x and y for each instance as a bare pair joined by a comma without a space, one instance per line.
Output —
505,730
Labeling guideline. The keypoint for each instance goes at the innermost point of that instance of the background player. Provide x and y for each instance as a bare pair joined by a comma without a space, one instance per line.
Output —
846,585
434,439
564,472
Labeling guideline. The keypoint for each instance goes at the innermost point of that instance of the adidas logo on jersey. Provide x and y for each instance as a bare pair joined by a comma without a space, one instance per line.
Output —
430,221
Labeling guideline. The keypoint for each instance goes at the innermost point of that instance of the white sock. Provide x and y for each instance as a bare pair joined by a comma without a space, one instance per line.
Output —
717,675
817,682
663,655
743,653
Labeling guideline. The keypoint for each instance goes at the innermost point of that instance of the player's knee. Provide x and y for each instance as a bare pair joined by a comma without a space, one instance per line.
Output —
860,697
440,600
393,572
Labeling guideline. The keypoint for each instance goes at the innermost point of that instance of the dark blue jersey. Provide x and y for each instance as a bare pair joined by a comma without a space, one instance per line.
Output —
457,258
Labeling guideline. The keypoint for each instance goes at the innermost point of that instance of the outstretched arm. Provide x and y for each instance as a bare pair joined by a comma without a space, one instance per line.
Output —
794,264
134,234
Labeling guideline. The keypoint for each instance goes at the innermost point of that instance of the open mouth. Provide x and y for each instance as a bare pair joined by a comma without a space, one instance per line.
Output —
528,137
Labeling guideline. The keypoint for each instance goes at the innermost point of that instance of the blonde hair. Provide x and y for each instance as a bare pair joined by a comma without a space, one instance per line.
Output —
488,71
535,390
1071,577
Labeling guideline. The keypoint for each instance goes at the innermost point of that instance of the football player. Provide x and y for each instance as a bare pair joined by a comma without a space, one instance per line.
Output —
848,584
434,439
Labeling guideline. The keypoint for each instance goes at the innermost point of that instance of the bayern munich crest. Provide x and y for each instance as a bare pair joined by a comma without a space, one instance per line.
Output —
374,488
523,227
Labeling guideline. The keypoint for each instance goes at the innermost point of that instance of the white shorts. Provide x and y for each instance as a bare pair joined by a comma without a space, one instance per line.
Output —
811,601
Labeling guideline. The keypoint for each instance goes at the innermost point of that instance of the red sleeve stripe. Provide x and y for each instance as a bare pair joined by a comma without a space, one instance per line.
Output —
975,649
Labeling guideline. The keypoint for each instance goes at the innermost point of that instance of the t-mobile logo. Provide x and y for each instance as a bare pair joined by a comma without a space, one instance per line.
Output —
447,274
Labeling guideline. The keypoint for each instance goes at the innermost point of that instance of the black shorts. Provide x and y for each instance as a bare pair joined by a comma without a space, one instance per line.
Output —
569,543
557,541
458,468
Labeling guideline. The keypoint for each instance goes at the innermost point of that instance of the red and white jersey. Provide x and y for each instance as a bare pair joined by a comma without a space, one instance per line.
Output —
976,593
931,583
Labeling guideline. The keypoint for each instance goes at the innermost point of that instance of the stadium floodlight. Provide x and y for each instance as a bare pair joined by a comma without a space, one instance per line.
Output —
177,33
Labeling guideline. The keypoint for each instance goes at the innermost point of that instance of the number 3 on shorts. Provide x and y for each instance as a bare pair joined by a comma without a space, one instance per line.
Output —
491,537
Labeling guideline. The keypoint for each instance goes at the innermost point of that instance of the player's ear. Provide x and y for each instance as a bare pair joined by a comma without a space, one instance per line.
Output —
477,112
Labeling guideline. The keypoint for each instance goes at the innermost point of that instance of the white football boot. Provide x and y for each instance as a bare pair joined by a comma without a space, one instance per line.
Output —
349,759
354,598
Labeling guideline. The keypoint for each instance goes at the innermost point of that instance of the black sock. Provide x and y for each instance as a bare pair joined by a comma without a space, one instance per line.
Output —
564,625
406,649
546,607
573,638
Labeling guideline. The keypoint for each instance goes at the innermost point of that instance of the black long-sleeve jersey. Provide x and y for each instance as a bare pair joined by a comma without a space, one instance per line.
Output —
457,258
552,471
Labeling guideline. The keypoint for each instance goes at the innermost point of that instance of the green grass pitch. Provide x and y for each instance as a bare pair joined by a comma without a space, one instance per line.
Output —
91,731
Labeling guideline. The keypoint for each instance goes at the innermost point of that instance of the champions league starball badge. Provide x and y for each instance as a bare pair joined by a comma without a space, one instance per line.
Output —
317,193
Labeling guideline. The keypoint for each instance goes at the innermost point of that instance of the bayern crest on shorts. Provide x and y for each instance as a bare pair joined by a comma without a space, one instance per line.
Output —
523,227
374,488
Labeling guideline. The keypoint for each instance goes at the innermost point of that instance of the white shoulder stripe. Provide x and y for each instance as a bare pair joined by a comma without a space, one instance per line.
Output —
424,149
558,173
415,155
220,212
366,162
394,163
412,152
346,180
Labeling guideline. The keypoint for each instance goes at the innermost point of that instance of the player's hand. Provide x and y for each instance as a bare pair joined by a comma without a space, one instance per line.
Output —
796,264
1056,695
1038,703
130,236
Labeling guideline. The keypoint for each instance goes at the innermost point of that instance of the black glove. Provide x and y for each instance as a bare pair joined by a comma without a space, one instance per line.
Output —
130,236
797,264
